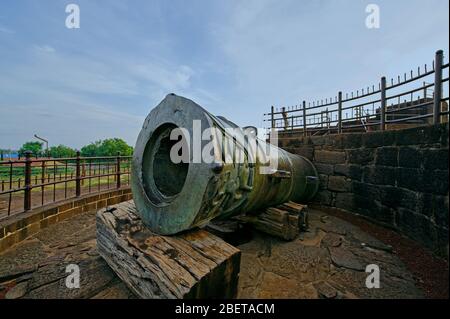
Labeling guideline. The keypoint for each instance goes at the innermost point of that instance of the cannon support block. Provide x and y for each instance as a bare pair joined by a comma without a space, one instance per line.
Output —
193,264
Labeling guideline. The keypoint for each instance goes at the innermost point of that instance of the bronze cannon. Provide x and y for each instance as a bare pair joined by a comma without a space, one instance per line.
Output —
234,175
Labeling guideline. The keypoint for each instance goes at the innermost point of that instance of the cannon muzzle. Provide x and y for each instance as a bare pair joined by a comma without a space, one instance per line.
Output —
190,166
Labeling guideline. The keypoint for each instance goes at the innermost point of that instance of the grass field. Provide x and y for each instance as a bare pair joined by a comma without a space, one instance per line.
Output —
16,174
62,173
12,203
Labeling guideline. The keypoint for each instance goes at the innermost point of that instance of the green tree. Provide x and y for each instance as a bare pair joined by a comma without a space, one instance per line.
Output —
91,150
62,151
110,147
34,147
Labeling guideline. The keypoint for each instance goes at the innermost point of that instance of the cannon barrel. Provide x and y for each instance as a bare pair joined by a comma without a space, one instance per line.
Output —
234,175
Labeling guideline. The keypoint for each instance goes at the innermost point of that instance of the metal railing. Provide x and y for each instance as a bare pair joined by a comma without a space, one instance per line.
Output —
372,108
29,183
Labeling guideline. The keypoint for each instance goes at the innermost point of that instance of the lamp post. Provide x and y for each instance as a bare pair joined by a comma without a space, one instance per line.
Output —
46,143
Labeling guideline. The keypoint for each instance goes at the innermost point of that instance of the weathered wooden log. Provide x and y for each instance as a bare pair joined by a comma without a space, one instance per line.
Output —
293,207
284,221
194,264
297,209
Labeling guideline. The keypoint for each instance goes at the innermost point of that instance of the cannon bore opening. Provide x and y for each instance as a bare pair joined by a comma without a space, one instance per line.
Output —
163,179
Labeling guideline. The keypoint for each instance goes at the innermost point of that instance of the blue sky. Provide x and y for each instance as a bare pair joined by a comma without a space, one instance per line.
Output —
235,58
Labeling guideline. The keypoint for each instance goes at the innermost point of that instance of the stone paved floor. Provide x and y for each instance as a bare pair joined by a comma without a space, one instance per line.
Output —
328,261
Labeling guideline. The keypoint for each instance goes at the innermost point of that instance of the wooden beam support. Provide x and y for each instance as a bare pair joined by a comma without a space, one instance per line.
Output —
194,264
284,221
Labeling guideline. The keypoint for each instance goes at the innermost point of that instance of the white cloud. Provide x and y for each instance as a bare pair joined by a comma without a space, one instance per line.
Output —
236,58
168,77
45,48
284,52
58,92
6,30
66,119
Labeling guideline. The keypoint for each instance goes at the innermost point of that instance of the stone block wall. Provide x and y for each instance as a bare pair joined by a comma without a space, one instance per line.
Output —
397,178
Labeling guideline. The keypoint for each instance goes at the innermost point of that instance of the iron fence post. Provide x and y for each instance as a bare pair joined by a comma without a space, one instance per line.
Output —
424,91
83,172
78,175
327,117
272,119
439,58
118,170
27,196
383,104
304,118
339,112
285,120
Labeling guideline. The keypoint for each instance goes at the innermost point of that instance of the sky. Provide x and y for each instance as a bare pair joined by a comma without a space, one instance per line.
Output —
234,58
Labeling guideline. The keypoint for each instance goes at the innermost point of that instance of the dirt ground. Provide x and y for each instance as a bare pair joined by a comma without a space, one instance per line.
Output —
327,261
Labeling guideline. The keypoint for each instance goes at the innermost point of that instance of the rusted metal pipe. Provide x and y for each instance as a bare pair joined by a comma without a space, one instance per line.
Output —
172,197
